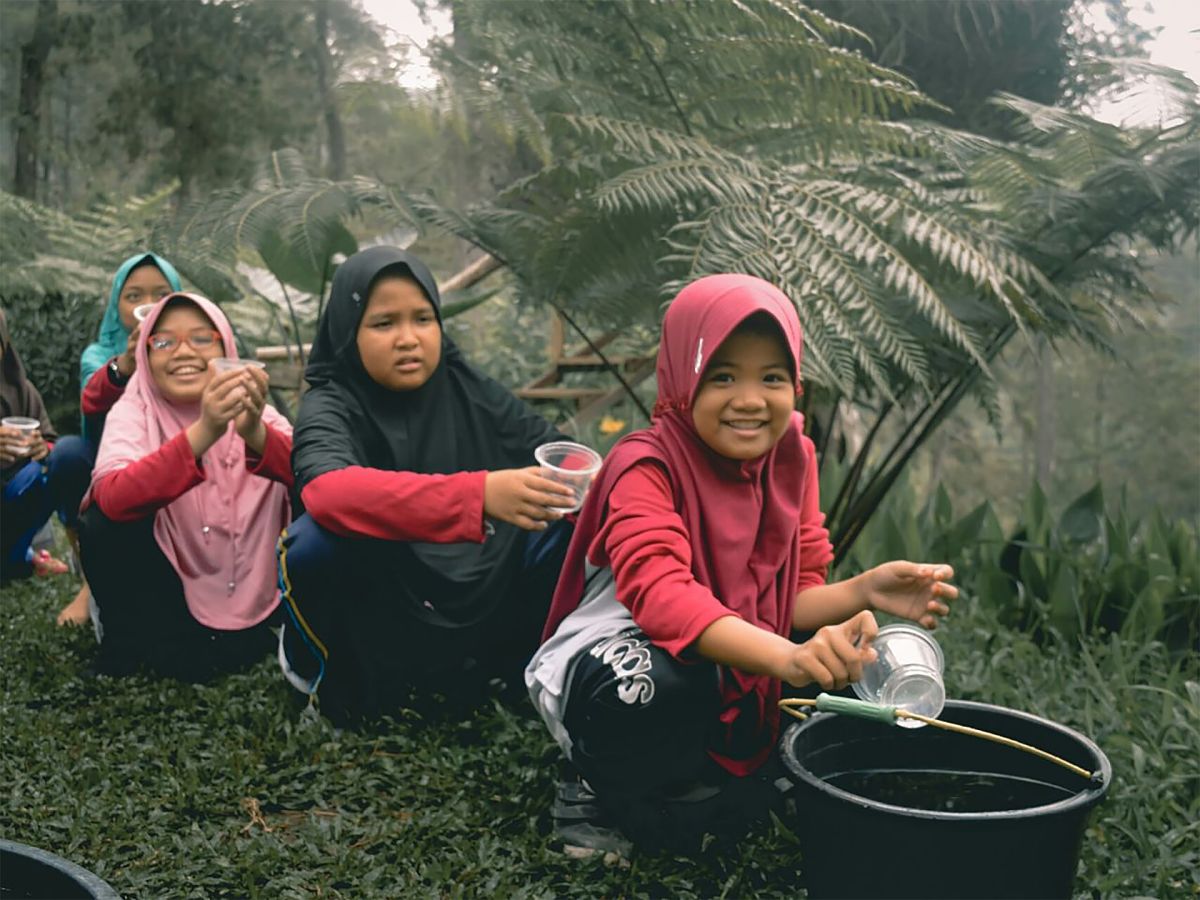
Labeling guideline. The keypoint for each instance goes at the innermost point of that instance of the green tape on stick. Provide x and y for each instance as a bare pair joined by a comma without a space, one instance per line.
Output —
860,709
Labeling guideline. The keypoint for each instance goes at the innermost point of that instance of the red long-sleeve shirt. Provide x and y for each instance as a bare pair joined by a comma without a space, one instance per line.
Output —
100,393
159,478
647,544
398,506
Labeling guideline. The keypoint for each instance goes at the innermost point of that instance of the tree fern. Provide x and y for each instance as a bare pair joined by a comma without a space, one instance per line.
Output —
748,136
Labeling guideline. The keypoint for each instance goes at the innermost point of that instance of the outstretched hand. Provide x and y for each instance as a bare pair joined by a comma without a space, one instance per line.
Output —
917,591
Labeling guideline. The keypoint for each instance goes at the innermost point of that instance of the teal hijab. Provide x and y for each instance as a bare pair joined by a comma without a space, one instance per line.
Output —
114,335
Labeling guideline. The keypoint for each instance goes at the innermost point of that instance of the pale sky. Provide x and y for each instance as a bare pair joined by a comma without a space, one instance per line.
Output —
1177,45
404,22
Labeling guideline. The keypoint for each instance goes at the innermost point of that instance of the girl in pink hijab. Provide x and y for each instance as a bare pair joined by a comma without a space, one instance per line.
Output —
188,497
700,550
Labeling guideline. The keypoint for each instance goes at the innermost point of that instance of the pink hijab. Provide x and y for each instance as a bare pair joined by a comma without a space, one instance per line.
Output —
746,543
220,535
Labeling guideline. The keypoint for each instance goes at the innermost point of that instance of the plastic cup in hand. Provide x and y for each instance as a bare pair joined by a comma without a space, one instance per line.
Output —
570,464
227,364
140,312
27,427
907,674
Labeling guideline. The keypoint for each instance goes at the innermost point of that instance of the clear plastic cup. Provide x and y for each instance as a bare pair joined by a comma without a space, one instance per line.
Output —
27,426
907,674
570,464
140,312
228,364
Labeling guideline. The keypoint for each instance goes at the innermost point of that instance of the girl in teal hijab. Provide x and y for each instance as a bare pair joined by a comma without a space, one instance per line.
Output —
115,328
104,369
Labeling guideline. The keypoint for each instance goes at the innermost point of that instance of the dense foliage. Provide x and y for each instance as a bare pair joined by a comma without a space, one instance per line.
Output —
672,140
50,331
682,139
1091,569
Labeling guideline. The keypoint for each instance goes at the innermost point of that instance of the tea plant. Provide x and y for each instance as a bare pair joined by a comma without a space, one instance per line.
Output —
232,790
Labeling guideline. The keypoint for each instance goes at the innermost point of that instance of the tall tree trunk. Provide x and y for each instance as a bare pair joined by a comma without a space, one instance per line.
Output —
334,134
68,113
29,109
1098,428
1044,426
66,84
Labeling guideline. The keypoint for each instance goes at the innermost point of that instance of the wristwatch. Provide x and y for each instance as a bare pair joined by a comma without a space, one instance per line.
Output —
114,373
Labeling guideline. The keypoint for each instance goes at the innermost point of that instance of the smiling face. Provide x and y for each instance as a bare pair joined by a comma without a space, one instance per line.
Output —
746,396
145,284
181,372
399,337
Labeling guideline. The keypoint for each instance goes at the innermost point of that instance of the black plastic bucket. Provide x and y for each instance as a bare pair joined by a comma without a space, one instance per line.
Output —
28,873
931,813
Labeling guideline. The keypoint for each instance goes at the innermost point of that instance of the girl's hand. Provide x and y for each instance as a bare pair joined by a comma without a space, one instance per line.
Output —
11,445
38,448
523,497
223,399
834,657
127,361
916,591
249,423
17,445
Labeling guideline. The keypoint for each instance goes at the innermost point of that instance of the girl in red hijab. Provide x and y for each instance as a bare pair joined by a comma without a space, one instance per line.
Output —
700,550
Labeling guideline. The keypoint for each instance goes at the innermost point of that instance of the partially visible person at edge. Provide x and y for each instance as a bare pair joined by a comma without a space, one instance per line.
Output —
40,473
700,549
106,366
188,497
427,554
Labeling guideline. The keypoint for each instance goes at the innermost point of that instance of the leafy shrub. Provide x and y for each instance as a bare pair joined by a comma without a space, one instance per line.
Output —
1091,570
50,331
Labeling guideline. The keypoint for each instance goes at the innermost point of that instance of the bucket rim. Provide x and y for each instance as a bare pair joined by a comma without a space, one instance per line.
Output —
1089,796
90,881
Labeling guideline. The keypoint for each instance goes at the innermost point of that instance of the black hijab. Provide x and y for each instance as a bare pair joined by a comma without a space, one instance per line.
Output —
18,396
460,420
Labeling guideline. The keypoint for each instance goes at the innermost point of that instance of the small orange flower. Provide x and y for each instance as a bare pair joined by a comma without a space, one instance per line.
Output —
609,425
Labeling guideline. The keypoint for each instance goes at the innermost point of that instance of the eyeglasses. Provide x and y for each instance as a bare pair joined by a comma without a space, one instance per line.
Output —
198,339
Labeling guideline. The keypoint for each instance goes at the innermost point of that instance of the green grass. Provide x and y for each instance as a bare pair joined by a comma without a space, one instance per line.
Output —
166,789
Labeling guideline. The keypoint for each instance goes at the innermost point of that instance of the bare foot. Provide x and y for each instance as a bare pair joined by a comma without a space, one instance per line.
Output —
76,612
45,565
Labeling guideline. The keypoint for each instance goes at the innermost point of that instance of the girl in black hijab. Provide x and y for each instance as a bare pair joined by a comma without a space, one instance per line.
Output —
428,548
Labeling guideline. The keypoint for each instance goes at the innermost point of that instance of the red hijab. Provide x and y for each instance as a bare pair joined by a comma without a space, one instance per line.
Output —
742,518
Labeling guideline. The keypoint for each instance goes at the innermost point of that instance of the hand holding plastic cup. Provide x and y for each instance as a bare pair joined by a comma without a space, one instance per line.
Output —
27,428
569,464
228,364
907,673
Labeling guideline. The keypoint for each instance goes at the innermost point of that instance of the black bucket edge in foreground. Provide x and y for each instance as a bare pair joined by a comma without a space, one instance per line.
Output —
855,846
32,872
